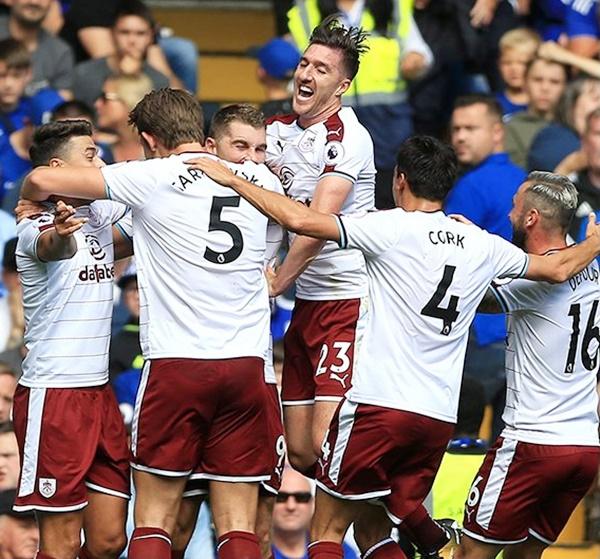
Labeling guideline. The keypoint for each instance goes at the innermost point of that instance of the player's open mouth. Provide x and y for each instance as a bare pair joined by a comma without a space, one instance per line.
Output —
305,92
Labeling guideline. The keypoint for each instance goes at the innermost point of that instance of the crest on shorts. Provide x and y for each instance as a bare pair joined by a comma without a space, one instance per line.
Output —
47,486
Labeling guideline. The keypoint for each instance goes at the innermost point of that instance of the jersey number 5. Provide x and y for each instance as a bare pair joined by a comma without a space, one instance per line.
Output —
433,309
592,333
218,224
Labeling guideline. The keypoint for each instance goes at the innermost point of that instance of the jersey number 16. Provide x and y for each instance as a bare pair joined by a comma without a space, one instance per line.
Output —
592,333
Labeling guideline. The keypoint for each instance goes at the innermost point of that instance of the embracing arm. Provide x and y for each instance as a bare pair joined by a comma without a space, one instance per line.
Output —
75,182
564,264
58,243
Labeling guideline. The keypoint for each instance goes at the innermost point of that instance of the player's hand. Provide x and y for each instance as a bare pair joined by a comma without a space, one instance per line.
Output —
27,208
64,222
214,169
460,218
593,228
271,275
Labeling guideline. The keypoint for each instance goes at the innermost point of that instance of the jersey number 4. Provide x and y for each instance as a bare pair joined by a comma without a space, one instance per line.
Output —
449,314
592,334
218,224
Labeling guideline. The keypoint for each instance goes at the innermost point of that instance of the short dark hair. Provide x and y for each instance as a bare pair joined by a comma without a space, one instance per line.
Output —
135,8
430,167
492,105
72,110
173,116
350,42
14,54
50,140
242,112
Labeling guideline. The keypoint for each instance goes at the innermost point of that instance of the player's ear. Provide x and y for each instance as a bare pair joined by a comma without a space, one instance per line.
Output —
56,162
149,140
211,145
532,217
343,87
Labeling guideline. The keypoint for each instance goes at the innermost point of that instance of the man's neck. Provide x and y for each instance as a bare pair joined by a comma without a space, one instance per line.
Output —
411,203
291,544
182,148
541,242
308,120
27,35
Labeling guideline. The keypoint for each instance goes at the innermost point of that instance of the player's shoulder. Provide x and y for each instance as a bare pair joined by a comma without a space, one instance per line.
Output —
261,175
281,121
343,126
39,222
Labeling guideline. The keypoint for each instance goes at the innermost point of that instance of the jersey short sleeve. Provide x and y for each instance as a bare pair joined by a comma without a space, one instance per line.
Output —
372,233
507,260
134,182
29,232
581,19
346,158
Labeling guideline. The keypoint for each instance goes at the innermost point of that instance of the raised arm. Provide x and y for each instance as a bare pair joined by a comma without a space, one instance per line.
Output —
75,182
58,243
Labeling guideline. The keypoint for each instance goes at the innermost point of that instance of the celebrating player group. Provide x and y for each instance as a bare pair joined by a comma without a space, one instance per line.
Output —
373,355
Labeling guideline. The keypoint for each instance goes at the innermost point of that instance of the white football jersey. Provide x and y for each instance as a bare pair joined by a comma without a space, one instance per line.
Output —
552,359
199,251
68,304
427,275
342,147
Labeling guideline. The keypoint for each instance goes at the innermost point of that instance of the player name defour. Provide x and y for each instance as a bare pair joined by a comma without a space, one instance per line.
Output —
587,274
97,273
446,238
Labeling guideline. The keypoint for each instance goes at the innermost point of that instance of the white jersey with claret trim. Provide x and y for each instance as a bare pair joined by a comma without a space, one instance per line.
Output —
68,303
427,275
552,359
199,250
339,146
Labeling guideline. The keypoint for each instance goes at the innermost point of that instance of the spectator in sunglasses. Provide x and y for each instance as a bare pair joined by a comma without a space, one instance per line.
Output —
292,513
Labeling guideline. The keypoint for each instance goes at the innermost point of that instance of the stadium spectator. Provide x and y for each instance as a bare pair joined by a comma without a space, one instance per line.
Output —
517,50
560,140
587,180
484,195
19,535
582,28
8,384
88,28
397,54
277,61
12,304
119,96
545,82
132,34
292,514
52,58
9,457
8,230
18,112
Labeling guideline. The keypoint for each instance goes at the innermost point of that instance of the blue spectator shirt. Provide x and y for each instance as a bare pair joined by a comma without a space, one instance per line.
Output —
484,194
12,166
508,107
550,146
581,19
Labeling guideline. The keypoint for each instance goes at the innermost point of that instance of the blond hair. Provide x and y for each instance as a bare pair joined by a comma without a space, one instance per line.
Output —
521,39
131,88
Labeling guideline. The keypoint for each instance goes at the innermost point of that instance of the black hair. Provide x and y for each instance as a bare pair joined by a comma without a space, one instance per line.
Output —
351,42
430,167
135,8
51,139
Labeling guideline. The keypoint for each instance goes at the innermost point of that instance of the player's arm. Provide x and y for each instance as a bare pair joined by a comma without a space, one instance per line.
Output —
329,197
75,182
122,243
58,243
564,264
291,215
